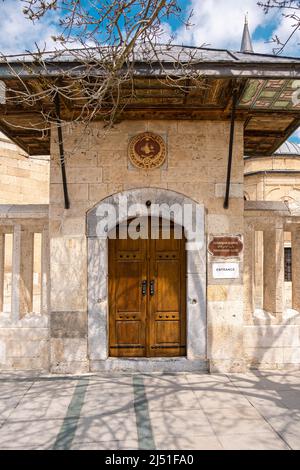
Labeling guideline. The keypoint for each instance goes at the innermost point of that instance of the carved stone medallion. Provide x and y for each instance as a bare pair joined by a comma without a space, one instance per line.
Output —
147,151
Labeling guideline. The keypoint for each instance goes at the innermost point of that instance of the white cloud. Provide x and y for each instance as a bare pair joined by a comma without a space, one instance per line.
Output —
18,34
219,23
283,31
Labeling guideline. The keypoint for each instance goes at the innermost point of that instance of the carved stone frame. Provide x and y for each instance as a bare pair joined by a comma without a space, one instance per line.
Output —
98,290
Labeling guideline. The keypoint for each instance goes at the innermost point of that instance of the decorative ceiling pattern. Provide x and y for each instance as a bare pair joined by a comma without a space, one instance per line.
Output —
271,95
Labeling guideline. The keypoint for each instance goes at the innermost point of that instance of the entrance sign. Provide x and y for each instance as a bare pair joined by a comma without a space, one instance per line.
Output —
226,270
226,247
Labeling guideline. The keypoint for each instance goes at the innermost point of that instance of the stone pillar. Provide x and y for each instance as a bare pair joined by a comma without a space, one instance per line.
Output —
68,304
45,275
26,272
249,257
296,269
22,273
258,270
2,248
274,271
15,285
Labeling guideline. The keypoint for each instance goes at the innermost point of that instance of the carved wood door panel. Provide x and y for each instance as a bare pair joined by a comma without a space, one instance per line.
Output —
147,296
166,314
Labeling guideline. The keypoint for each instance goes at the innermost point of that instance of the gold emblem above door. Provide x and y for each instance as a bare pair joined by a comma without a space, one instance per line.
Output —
147,151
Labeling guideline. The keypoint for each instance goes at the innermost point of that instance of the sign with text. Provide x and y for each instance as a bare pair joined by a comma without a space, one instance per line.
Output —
226,247
226,270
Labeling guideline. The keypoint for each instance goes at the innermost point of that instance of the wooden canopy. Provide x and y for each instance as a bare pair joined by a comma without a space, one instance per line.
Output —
267,86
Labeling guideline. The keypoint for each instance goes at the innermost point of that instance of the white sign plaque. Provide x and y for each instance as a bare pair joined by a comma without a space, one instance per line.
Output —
226,270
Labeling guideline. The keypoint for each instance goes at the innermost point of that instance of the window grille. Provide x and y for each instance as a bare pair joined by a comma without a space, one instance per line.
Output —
288,264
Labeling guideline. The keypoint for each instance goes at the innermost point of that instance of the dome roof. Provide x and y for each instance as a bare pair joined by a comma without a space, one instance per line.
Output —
288,148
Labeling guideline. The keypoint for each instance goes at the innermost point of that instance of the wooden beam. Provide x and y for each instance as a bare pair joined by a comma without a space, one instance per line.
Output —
265,134
6,131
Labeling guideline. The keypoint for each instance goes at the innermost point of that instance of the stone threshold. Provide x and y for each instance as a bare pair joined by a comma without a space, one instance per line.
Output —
149,365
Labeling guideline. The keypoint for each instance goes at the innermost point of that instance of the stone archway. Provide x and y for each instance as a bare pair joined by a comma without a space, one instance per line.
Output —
139,199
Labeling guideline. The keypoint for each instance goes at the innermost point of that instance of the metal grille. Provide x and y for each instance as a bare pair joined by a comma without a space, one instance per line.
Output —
288,264
2,92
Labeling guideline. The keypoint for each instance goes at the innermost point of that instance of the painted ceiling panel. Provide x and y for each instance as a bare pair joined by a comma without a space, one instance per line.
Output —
271,94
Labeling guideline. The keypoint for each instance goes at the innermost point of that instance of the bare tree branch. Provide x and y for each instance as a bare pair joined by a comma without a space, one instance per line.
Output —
102,41
290,10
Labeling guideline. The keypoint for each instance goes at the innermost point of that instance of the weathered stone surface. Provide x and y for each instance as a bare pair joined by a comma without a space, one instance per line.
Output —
64,350
149,365
68,274
223,293
264,356
228,312
97,270
274,271
68,355
196,170
23,180
24,348
97,167
229,366
272,336
236,190
68,324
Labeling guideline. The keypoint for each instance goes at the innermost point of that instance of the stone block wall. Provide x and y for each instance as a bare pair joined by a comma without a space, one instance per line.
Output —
24,344
24,341
23,179
273,346
272,186
271,342
97,166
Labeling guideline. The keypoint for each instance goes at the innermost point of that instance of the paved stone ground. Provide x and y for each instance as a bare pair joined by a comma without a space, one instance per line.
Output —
182,412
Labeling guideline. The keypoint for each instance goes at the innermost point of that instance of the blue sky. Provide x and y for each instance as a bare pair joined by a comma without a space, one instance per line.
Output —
216,24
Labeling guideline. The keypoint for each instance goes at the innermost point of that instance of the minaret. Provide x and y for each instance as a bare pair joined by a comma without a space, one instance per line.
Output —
246,45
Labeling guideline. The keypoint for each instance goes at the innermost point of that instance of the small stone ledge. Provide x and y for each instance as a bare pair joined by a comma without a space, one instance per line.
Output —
266,206
29,321
26,211
69,368
148,365
271,366
227,366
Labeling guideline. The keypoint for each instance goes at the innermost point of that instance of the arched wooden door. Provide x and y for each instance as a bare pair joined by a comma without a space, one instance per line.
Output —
147,296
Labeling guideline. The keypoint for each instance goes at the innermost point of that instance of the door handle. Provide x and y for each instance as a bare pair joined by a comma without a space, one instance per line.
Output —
152,288
144,288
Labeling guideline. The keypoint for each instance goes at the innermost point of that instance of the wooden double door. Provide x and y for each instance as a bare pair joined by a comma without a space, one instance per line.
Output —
147,296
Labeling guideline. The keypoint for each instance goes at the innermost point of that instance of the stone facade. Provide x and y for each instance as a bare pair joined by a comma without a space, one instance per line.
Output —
271,335
272,178
98,312
23,179
24,333
24,288
227,332
97,167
